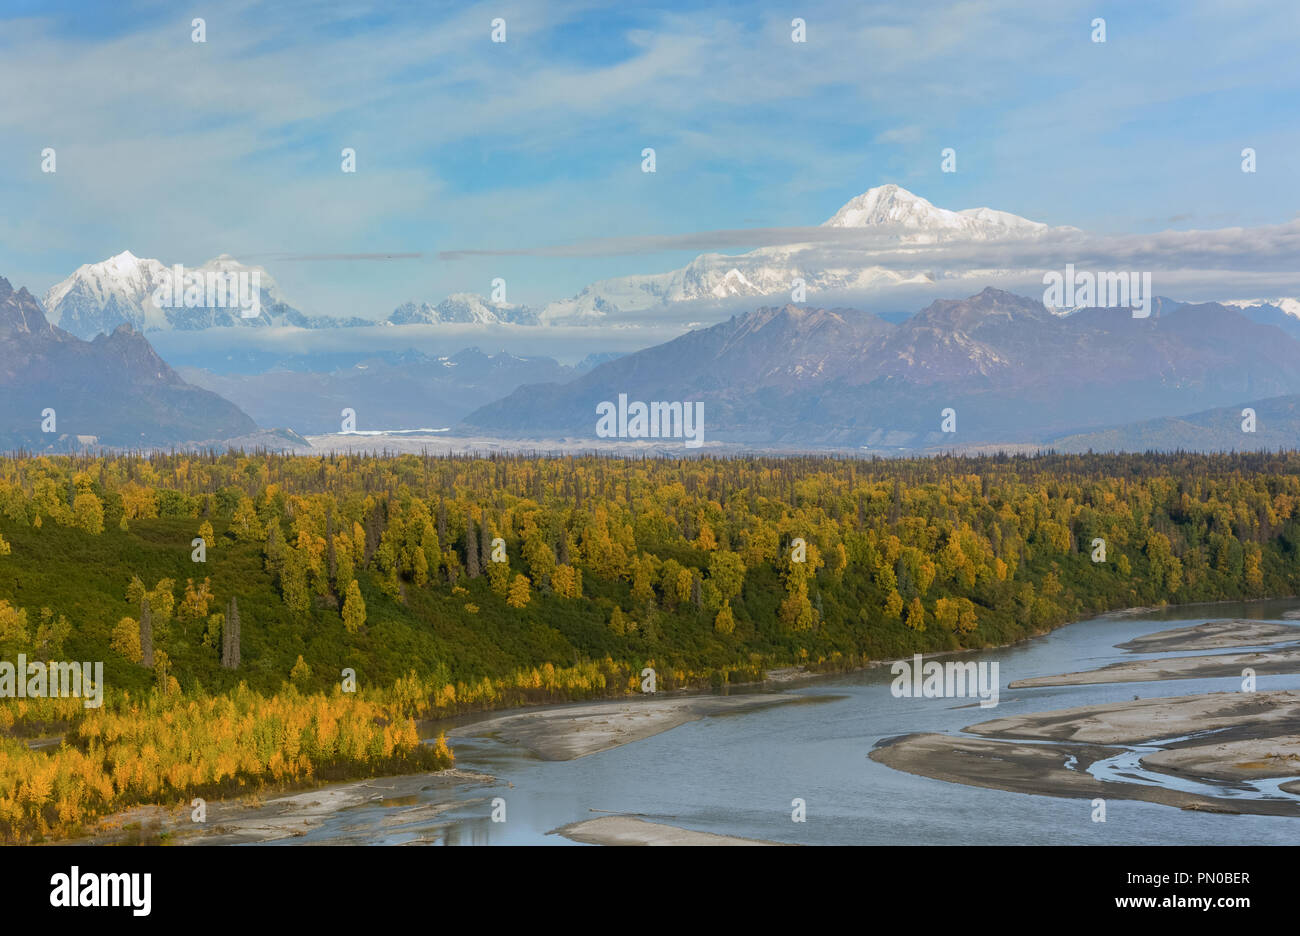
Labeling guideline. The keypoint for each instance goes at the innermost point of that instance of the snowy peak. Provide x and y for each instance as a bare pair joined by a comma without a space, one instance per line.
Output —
462,308
771,271
100,296
121,290
894,205
888,204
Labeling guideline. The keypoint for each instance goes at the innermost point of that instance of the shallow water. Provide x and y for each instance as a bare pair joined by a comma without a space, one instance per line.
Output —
737,774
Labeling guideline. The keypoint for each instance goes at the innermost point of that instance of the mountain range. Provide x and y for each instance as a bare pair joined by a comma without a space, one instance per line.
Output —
462,308
98,297
908,219
1011,369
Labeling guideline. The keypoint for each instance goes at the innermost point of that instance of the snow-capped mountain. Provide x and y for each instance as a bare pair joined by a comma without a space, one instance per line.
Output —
99,297
467,308
906,218
924,223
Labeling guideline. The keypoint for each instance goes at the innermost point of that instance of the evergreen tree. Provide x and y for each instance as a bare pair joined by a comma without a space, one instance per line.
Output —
146,634
230,654
330,565
484,546
471,550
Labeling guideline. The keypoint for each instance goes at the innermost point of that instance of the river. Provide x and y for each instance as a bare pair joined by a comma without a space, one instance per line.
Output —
737,774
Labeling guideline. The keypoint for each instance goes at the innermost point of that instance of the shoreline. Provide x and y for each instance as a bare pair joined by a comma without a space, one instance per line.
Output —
285,814
571,731
628,830
788,675
1228,750
550,730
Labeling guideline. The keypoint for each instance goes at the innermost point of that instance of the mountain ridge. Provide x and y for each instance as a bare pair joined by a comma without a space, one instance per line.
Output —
1011,369
112,391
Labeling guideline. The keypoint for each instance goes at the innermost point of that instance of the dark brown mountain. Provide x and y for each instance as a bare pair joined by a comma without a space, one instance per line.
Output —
1012,370
111,391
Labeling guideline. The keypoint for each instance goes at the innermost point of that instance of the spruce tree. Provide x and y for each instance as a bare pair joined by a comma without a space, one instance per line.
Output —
329,543
230,636
146,634
471,550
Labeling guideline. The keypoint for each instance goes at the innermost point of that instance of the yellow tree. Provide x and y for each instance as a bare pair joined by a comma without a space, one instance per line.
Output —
89,513
894,604
194,606
520,593
725,622
916,615
13,624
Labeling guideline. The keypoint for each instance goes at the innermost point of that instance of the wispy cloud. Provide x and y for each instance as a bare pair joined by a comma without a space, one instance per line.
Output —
506,157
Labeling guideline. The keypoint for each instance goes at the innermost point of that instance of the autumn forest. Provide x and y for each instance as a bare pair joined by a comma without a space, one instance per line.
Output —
271,620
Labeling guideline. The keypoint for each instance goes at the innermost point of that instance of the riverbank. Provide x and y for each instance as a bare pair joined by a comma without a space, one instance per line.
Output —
567,732
571,731
626,830
1268,662
1212,635
1219,744
291,814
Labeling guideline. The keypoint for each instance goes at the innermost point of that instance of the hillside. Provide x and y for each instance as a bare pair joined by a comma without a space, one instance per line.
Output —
1277,427
111,391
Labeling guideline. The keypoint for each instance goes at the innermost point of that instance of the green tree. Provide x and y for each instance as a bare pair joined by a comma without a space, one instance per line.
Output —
293,583
727,571
354,608
89,513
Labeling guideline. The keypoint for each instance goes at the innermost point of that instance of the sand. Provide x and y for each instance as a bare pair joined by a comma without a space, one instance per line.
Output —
1192,667
570,731
1255,737
1213,635
1248,759
625,830
291,815
1154,719
1041,770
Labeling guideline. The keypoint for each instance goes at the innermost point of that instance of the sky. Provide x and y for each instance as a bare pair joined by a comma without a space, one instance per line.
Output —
181,150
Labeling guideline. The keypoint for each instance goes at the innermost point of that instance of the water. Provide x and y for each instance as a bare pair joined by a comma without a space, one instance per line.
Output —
737,774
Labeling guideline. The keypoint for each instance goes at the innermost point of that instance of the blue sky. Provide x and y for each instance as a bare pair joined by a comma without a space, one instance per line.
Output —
182,151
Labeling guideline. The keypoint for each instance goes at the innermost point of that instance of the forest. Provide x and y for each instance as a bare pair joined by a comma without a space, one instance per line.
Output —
275,620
